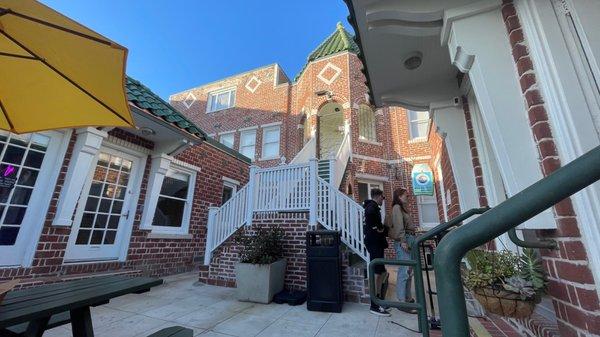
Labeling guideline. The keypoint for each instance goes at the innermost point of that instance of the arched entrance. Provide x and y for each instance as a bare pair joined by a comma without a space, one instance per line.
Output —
331,129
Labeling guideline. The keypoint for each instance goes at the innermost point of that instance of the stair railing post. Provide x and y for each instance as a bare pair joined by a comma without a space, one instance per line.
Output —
252,176
210,234
312,213
332,161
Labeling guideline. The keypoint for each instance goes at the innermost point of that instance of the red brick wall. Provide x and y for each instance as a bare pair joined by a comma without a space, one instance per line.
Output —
152,256
440,154
572,285
221,270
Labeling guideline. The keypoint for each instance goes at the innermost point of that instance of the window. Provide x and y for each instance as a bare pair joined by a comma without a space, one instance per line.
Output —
248,143
270,146
418,124
229,189
227,139
21,161
174,201
428,211
366,123
364,193
364,189
220,100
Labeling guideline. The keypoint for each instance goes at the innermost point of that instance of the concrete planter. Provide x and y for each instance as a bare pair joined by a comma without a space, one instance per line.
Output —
259,282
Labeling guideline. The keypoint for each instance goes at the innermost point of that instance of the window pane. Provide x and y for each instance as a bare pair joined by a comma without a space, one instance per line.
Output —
271,135
174,187
271,150
227,193
169,212
248,151
429,213
227,139
363,192
248,138
13,155
8,235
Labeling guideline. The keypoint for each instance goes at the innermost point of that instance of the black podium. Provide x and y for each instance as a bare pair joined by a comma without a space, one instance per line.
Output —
324,271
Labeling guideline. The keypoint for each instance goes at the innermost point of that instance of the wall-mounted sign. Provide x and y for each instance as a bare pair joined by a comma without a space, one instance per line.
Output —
422,180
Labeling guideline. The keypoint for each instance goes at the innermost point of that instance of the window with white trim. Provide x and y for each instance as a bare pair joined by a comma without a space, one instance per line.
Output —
229,189
173,209
227,139
248,143
428,210
221,99
270,143
366,123
418,124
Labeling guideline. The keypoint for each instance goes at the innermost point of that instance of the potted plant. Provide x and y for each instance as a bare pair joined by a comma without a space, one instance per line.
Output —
504,283
261,270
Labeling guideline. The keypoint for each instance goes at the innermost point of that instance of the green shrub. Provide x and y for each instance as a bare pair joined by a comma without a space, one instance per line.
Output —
263,246
522,274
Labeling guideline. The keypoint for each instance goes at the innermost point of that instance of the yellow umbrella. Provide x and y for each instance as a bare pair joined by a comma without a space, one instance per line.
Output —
56,73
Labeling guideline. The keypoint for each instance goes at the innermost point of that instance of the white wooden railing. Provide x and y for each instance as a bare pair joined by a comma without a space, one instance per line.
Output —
288,188
224,221
336,211
341,161
308,151
284,188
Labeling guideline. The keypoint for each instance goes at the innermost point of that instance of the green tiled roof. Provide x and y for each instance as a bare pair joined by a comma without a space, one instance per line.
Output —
340,40
144,98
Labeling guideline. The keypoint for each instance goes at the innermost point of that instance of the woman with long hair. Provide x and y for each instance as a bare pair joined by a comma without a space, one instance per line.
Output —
402,231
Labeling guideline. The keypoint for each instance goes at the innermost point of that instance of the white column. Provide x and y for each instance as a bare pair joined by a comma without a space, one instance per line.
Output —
312,213
470,35
250,194
158,170
210,235
84,154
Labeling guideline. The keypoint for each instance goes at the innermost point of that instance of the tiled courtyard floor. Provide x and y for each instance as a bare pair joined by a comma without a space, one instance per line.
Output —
213,311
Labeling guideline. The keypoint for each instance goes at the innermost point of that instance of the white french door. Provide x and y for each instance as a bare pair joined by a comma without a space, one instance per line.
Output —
106,207
29,165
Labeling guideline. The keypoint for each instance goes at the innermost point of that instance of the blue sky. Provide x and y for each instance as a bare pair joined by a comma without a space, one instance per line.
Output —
178,44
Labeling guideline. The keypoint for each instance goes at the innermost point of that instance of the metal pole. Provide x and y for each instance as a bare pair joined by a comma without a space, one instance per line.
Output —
533,200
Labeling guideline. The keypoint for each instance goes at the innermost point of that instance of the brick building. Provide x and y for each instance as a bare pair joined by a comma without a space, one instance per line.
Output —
95,201
272,119
510,86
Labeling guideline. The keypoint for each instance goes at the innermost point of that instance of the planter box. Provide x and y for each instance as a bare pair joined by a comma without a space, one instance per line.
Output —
259,282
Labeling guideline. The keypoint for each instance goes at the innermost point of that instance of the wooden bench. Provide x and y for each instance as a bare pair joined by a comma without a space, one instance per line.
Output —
174,331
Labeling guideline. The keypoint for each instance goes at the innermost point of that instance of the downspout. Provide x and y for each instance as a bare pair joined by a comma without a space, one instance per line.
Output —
533,200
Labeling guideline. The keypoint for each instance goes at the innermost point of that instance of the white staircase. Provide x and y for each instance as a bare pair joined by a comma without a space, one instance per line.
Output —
298,187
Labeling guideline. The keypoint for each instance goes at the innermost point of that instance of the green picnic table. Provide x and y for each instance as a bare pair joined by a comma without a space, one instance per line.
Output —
30,312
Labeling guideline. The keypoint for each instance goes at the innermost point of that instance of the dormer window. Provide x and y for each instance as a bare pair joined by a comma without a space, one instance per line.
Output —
221,99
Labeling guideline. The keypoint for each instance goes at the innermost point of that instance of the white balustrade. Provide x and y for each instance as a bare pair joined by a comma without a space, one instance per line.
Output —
336,211
283,188
224,221
288,188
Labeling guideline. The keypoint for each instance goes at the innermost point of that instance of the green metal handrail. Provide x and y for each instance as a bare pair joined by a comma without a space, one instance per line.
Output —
415,262
415,256
544,244
533,200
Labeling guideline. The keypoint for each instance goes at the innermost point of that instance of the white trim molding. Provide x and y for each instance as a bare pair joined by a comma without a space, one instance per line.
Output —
88,143
373,177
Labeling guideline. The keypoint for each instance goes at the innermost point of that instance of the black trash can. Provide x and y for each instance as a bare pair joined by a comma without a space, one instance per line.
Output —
324,271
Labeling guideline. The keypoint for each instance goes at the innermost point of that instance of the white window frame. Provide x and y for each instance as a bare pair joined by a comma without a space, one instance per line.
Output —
420,203
231,102
231,183
412,119
232,134
187,211
242,145
371,184
264,142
